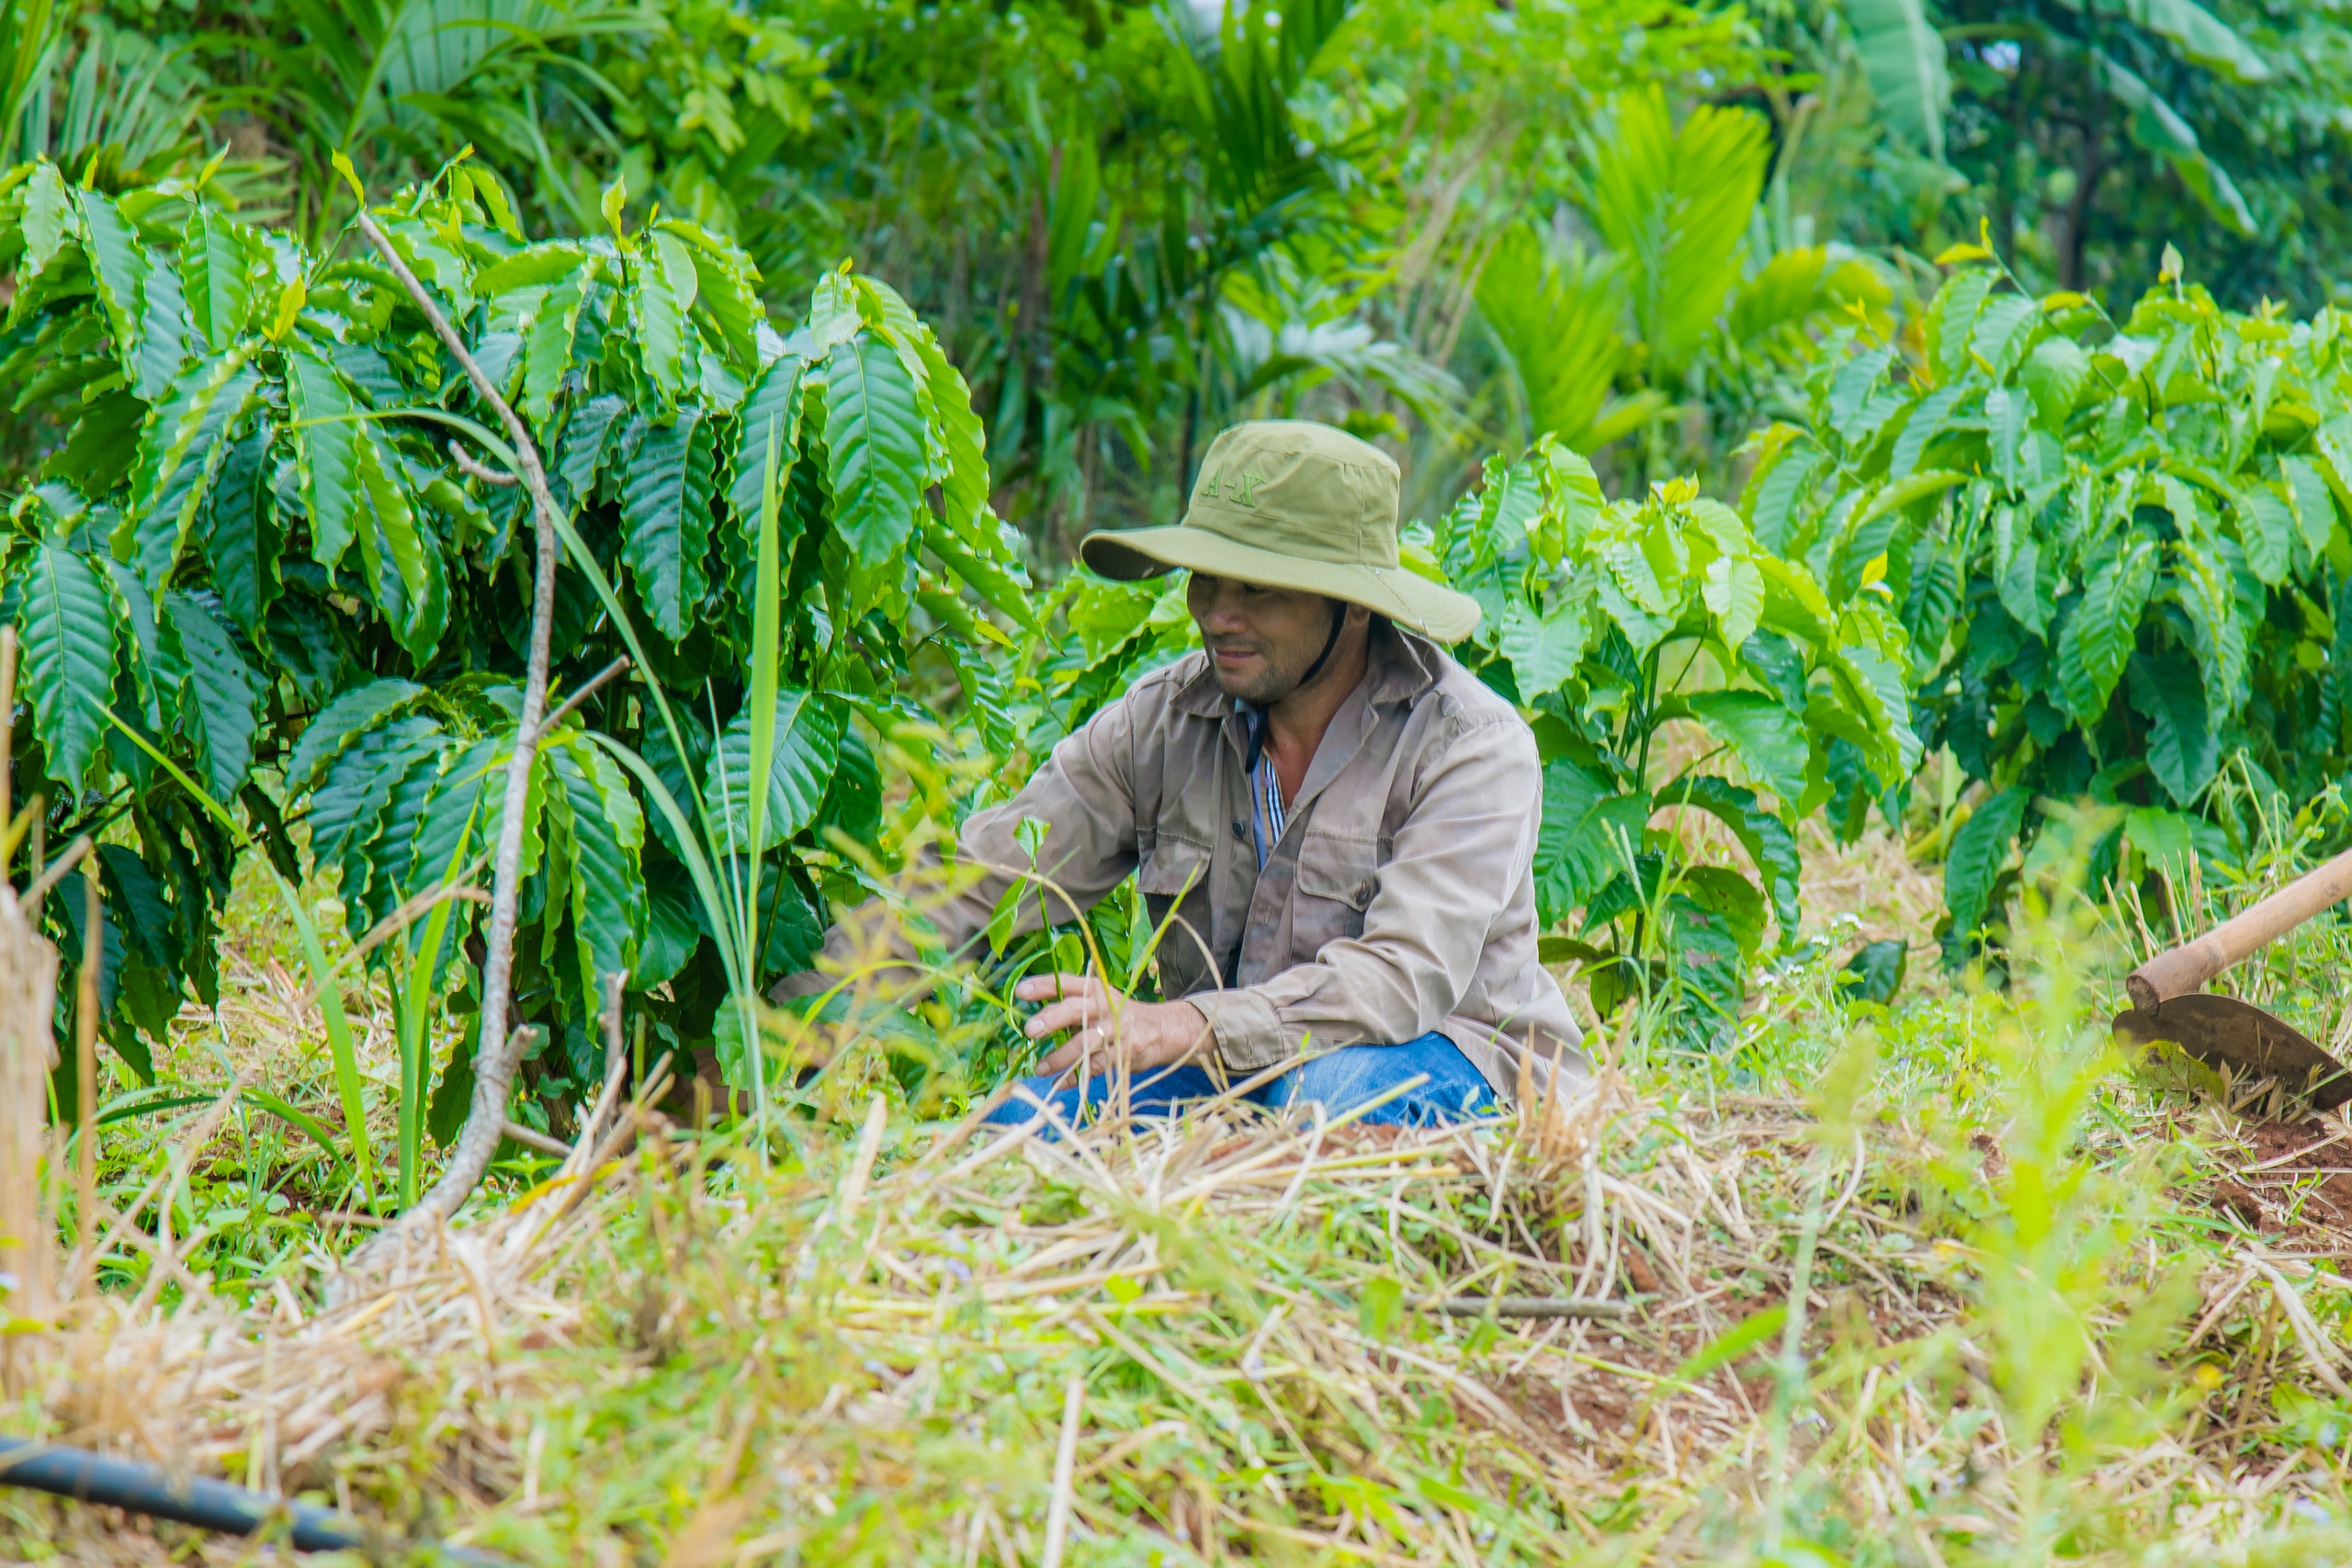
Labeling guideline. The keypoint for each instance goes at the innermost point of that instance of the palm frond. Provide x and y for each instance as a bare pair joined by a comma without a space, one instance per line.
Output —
1675,204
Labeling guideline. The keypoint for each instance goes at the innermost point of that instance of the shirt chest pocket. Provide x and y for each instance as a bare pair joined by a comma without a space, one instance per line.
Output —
1174,876
1337,877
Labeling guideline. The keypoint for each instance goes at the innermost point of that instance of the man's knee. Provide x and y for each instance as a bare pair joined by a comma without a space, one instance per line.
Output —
1420,1080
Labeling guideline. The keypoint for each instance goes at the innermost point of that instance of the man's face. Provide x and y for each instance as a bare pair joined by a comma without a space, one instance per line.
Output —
1260,640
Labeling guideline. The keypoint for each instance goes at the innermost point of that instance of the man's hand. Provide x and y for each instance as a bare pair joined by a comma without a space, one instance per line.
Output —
1145,1034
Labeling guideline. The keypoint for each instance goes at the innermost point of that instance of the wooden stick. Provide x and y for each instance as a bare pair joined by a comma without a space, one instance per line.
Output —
495,1063
473,468
2185,968
571,704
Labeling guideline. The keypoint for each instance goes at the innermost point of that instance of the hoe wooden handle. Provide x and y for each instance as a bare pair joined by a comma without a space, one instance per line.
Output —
2185,968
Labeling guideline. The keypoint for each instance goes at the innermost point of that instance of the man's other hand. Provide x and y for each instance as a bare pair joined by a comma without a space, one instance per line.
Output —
1148,1034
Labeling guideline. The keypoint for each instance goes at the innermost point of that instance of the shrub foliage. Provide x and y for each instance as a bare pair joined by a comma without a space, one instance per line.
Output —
2118,548
1607,622
256,547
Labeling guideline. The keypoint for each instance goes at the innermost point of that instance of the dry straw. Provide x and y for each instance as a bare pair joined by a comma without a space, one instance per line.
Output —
2023,1330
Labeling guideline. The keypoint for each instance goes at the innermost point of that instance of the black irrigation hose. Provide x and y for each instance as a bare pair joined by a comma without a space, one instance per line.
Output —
208,1504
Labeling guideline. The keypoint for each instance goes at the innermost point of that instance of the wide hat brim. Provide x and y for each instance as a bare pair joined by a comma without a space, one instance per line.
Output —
1130,555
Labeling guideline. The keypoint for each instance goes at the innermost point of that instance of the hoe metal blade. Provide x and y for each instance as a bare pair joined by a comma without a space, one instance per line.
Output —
2225,1031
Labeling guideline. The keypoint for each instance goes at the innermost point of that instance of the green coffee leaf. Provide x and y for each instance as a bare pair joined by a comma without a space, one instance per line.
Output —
723,286
1775,496
350,800
118,264
179,452
1952,320
49,216
874,448
1724,893
215,278
547,352
341,722
964,490
1768,738
403,558
65,622
2099,637
219,694
2270,527
1874,974
2314,504
807,748
2183,751
2166,840
666,519
463,808
1979,851
589,441
2004,324
1876,692
665,292
774,405
853,800
380,868
1543,650
2054,374
1769,844
326,451
2027,588
607,893
534,267
1929,418
141,644
670,934
242,535
2204,590
1588,830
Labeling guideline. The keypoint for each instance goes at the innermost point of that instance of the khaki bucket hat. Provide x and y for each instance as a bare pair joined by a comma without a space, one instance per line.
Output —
1289,503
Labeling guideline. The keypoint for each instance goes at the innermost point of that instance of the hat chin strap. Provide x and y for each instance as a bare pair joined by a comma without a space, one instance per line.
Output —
1339,619
1258,714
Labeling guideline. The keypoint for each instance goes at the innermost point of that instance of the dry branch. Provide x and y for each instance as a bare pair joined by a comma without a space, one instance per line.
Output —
500,1049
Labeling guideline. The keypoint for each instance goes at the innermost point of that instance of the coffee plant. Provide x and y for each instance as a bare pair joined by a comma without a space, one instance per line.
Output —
270,563
1607,622
2118,548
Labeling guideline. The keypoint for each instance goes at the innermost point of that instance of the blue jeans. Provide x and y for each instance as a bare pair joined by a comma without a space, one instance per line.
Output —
1340,1079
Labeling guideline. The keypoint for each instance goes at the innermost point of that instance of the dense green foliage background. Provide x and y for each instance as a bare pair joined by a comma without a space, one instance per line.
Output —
2007,327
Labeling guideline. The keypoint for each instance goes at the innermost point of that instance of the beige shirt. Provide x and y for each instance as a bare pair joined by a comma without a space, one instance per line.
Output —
1399,900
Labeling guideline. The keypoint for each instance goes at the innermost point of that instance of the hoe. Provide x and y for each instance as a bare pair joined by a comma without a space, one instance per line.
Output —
2167,1005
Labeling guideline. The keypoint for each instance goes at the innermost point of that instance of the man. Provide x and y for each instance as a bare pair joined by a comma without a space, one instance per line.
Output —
1342,819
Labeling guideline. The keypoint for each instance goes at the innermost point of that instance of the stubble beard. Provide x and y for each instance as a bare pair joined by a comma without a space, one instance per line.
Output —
1278,678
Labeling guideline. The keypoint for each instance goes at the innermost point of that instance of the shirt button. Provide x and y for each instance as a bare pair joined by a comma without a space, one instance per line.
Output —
1239,830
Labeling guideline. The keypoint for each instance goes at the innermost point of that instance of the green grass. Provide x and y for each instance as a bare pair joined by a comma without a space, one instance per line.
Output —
1912,1286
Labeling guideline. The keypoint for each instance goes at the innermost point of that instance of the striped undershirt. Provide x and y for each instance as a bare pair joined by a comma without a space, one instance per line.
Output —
1265,789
